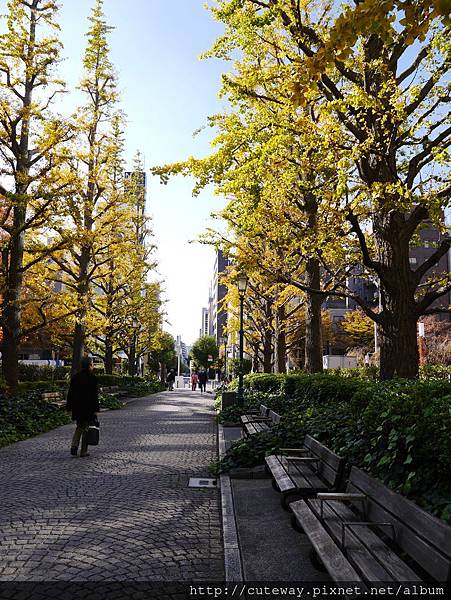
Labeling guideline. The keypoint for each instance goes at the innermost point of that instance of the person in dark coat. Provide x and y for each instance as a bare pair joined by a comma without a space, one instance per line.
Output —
83,401
203,378
170,379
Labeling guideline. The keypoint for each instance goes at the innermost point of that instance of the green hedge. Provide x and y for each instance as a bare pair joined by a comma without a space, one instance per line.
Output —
42,373
398,431
44,386
121,380
110,402
22,417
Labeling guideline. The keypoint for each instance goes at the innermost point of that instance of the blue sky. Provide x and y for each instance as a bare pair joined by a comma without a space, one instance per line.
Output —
167,93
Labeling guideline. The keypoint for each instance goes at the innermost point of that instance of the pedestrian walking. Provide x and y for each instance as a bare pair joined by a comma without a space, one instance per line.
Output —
170,379
203,378
83,401
194,381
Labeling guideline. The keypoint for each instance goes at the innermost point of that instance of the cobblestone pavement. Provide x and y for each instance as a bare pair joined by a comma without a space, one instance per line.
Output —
123,513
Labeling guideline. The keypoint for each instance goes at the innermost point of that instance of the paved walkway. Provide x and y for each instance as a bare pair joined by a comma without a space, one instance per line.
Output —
123,513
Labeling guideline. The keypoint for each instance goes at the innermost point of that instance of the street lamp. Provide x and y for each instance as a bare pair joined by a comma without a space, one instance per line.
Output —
223,341
242,287
135,326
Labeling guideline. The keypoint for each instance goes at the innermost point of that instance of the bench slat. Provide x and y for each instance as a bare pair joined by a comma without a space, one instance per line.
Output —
332,557
431,559
250,429
275,417
305,477
253,416
437,532
260,426
316,475
362,545
282,478
332,464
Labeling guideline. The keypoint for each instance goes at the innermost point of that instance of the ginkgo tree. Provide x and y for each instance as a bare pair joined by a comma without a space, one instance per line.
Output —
379,70
32,141
372,78
282,215
88,213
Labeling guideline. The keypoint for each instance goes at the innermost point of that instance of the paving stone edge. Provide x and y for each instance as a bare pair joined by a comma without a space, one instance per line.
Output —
232,555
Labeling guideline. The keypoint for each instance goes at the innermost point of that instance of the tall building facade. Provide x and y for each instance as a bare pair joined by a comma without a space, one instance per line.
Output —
205,326
214,316
218,291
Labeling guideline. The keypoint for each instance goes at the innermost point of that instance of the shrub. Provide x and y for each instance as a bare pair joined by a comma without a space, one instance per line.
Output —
106,380
251,451
42,373
436,372
44,386
110,402
398,431
22,417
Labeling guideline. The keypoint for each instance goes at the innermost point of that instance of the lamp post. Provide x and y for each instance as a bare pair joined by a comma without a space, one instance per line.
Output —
242,287
135,326
223,341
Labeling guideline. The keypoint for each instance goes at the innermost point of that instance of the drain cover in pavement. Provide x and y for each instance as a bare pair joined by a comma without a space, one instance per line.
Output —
198,482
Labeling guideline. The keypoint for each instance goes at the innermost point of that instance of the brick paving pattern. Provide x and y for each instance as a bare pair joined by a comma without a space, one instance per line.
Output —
124,513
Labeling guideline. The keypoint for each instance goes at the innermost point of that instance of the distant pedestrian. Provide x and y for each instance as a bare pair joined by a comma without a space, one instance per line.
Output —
203,378
170,379
83,401
194,381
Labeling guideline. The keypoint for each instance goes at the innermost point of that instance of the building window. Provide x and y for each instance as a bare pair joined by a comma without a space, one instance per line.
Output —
413,260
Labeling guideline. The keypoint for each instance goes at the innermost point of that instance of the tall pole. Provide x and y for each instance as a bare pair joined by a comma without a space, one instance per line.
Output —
240,397
179,351
133,355
225,357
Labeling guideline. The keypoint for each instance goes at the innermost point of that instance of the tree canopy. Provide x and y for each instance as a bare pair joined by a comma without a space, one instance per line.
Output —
205,351
334,155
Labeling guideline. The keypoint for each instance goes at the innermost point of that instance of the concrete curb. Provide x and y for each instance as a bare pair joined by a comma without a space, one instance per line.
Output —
232,555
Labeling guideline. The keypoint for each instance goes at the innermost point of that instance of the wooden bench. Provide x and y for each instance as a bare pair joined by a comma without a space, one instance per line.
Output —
360,535
56,398
252,416
260,425
303,472
113,390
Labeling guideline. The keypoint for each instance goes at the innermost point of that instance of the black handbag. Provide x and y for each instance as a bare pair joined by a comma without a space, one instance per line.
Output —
93,432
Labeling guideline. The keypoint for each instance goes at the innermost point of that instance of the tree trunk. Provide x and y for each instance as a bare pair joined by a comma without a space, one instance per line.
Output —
268,339
132,360
255,359
109,360
78,347
10,358
11,304
399,355
267,352
281,342
163,373
398,343
80,326
313,343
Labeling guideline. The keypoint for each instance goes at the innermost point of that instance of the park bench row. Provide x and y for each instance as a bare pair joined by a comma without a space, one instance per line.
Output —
253,423
360,530
58,398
